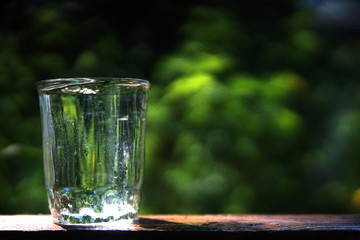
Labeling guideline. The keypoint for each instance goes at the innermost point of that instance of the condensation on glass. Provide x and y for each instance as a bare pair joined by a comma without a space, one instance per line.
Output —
93,147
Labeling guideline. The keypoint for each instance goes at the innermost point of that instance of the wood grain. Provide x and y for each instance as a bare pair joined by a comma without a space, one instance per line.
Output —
224,223
191,227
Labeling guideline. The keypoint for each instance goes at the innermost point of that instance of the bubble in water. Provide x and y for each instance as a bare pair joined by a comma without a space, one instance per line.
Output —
124,118
111,197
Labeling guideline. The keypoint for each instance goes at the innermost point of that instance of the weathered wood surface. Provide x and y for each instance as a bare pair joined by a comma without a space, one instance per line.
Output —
194,226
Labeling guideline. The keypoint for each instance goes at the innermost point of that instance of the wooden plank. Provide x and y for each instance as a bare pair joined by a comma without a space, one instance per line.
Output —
193,226
239,223
224,223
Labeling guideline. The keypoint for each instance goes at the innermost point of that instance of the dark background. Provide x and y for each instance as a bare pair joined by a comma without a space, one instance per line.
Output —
254,105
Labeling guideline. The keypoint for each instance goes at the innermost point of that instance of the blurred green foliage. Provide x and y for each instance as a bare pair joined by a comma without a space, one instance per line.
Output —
254,108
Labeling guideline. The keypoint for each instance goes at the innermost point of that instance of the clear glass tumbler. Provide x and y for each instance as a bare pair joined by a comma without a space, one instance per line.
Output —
93,146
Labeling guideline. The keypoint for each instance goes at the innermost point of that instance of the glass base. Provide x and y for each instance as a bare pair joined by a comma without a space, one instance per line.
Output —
124,224
74,206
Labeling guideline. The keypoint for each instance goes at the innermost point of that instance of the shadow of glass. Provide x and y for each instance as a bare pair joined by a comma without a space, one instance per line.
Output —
149,224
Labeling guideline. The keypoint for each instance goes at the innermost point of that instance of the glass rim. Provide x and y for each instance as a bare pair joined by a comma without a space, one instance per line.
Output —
51,84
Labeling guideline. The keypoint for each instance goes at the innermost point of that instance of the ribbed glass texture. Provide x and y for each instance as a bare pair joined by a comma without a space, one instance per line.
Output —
93,147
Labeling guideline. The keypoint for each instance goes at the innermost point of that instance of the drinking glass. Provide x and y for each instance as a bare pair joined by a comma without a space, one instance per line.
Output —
93,132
